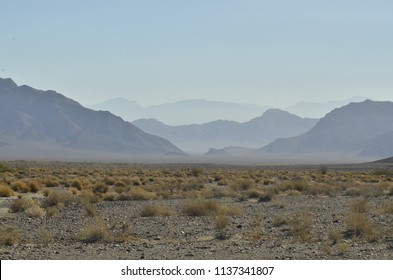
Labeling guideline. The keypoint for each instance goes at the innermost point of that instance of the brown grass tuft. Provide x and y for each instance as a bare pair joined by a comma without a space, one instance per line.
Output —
20,205
242,184
95,231
141,194
221,223
5,191
35,212
20,186
9,236
34,186
359,226
301,225
153,211
359,206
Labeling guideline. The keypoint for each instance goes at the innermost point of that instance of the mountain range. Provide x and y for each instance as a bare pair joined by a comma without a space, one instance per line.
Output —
259,131
196,111
202,111
36,124
319,110
47,123
363,129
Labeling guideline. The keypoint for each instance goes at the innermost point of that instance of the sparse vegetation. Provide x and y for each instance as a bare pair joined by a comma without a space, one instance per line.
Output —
20,205
5,191
279,220
35,212
141,194
359,206
176,205
4,167
336,236
221,222
208,207
360,226
255,233
95,231
153,211
19,186
301,225
201,207
45,236
60,198
9,236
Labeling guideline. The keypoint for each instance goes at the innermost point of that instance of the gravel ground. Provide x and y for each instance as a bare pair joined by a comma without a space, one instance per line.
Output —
253,234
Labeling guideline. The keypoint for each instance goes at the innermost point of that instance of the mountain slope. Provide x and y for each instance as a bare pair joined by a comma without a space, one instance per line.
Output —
318,110
358,127
274,123
30,116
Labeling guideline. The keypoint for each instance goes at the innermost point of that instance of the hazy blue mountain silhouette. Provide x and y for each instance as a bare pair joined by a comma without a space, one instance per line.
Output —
31,116
385,160
272,124
319,110
182,112
364,128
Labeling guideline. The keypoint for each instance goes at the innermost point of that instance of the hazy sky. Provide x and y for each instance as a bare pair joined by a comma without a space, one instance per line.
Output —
250,51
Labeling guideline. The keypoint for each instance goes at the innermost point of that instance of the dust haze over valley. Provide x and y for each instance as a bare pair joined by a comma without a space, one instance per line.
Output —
45,125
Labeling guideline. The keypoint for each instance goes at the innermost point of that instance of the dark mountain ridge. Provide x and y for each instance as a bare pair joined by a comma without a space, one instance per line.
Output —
32,116
365,128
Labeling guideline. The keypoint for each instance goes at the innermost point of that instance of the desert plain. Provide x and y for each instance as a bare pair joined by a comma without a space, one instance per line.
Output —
65,210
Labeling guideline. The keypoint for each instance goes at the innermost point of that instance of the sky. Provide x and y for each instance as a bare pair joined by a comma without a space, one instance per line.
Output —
270,53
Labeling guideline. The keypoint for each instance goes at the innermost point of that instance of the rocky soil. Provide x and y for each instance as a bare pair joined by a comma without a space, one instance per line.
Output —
263,230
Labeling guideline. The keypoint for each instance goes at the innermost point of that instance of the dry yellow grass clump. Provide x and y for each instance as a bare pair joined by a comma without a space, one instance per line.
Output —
208,207
6,191
95,230
9,236
153,211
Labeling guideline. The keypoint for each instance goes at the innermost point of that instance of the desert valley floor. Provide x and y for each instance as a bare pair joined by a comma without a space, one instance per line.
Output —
60,210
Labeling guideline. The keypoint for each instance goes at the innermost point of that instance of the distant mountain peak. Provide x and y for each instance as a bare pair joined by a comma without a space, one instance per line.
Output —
362,128
276,112
318,110
7,82
46,119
